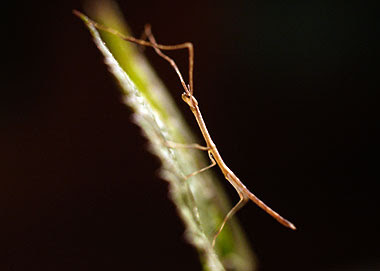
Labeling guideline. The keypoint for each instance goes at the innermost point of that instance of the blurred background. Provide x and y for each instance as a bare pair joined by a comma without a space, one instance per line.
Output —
287,90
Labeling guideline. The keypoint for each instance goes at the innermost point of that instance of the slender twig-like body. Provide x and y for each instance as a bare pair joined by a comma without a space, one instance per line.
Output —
241,189
189,98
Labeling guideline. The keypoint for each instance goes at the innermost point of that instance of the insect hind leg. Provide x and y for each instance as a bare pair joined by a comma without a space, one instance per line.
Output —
243,200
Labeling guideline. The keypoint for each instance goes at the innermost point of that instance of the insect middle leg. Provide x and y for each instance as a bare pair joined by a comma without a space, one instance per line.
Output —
171,144
213,163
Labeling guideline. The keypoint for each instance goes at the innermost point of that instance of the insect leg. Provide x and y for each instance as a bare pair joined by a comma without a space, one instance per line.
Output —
171,144
243,200
187,45
213,163
157,47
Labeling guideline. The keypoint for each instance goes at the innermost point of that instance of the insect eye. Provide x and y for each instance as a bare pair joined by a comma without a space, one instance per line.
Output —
185,96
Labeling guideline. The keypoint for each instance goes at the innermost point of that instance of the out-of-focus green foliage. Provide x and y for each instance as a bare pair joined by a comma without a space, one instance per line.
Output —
200,202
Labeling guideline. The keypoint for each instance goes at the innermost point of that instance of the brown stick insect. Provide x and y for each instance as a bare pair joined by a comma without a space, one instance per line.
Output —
188,97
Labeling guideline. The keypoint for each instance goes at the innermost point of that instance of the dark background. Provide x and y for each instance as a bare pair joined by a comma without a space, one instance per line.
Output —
286,87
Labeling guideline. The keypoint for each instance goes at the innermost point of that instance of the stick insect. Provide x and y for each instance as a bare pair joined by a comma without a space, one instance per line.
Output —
188,97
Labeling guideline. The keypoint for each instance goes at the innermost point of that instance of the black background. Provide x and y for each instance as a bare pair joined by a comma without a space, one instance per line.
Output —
287,90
